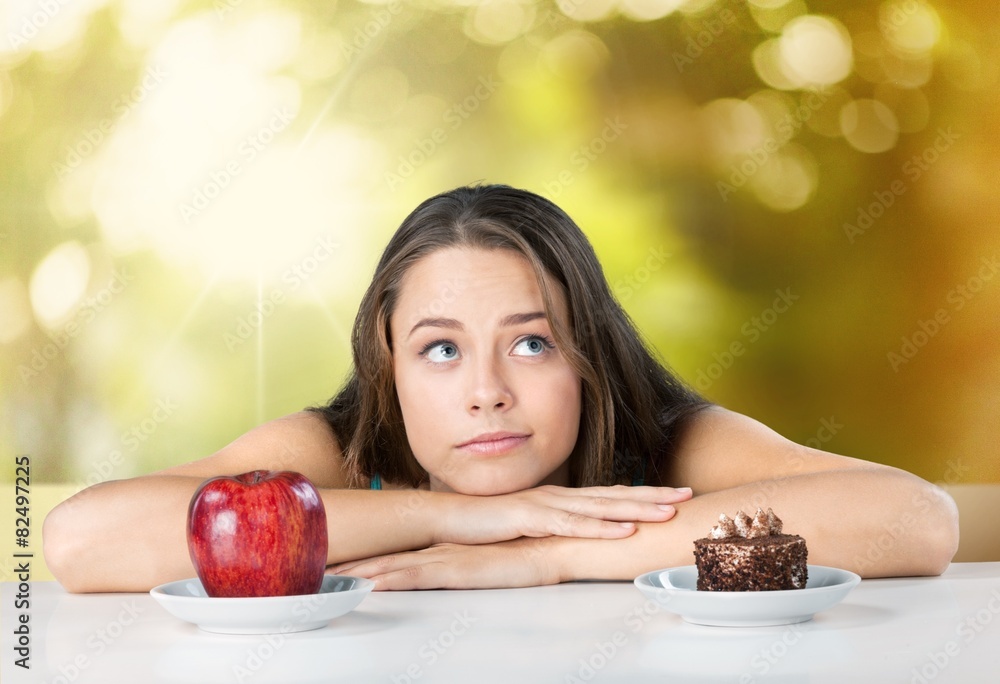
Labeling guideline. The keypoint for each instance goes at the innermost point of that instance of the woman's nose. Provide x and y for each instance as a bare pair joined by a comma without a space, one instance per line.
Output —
489,390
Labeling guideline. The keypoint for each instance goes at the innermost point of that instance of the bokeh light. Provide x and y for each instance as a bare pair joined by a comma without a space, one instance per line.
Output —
496,22
787,180
772,15
239,166
869,125
815,51
648,10
910,25
574,54
734,126
59,282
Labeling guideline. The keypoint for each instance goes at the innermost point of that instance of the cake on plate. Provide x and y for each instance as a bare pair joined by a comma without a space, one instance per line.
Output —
750,554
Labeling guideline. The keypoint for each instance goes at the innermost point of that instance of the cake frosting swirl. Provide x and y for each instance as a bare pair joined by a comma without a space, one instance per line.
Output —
743,526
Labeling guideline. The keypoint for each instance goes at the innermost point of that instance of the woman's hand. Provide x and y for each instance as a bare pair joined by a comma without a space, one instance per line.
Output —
590,512
517,563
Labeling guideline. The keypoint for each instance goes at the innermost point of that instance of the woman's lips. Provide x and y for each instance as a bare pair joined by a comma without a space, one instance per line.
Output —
494,444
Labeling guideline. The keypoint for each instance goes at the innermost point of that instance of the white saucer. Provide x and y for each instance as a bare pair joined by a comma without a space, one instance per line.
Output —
675,590
187,600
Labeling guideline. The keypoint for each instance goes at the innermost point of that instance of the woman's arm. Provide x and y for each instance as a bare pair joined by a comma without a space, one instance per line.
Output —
130,535
872,519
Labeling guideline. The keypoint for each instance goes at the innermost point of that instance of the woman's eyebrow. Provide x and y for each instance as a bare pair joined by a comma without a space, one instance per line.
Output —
452,324
449,323
519,318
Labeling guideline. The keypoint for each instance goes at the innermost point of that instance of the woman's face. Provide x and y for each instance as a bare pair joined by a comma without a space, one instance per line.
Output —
489,404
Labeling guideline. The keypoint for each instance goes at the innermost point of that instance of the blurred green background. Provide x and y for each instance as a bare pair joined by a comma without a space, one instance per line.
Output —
794,200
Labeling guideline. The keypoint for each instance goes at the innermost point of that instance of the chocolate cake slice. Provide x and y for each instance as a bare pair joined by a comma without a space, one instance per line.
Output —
745,554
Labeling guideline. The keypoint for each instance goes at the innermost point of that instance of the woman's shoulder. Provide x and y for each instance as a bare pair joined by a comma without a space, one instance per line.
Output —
720,449
303,441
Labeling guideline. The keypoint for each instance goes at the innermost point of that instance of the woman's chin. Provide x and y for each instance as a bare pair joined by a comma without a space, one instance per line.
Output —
473,488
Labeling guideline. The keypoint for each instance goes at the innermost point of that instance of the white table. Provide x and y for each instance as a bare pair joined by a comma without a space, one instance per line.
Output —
916,631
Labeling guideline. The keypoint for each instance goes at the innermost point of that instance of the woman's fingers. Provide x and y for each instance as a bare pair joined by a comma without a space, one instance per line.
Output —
413,570
603,523
601,512
592,512
618,510
516,563
665,495
363,567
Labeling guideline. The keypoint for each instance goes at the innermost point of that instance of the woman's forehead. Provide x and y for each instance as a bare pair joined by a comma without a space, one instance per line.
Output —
472,282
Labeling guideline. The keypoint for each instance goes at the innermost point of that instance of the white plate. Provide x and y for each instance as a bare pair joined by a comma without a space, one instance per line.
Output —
187,600
676,591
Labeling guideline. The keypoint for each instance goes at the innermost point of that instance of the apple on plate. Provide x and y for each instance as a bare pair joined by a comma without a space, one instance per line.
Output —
261,533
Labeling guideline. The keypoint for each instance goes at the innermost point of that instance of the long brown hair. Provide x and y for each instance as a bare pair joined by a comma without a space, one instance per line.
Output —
632,406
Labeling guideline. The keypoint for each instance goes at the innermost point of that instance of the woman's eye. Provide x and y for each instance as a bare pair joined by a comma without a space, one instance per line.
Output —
441,351
533,346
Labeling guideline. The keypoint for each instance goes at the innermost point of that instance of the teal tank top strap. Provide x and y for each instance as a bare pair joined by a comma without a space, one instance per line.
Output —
639,476
376,481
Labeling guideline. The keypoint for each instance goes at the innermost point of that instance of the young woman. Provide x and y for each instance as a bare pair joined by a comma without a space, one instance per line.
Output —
504,425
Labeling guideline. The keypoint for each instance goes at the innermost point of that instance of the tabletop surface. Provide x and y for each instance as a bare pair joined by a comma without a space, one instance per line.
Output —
913,630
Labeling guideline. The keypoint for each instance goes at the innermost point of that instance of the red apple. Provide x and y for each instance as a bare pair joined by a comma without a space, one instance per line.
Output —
262,533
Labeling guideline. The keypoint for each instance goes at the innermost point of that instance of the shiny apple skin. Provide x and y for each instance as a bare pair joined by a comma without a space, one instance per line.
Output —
261,533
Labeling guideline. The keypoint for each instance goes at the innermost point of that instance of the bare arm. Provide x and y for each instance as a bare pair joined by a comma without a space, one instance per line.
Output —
873,519
130,535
